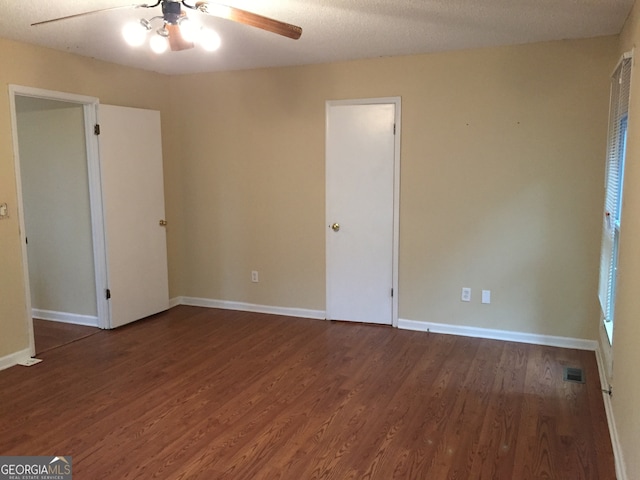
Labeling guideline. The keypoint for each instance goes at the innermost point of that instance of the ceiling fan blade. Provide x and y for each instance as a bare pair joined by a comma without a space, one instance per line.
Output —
248,18
176,41
88,13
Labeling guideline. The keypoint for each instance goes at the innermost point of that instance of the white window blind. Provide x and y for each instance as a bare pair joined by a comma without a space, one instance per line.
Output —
616,150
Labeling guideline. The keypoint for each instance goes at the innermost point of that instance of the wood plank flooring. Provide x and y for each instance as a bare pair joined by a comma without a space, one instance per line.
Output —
50,334
199,393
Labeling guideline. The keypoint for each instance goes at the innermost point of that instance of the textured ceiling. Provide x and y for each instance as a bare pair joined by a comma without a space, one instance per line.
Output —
333,30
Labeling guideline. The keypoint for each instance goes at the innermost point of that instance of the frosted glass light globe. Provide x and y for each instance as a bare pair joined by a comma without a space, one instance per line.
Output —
134,34
209,40
189,30
159,44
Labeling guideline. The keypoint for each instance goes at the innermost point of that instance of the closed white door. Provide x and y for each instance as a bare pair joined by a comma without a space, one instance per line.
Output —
133,190
360,155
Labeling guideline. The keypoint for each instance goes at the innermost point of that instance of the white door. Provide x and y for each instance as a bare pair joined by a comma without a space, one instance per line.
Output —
133,190
360,168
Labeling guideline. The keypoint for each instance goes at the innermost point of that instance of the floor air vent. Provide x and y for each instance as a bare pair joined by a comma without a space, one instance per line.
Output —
571,374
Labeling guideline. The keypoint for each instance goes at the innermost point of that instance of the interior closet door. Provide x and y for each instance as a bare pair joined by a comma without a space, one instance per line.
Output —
133,191
360,168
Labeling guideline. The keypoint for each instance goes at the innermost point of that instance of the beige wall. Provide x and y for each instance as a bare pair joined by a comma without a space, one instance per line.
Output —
42,68
501,173
55,192
501,183
626,351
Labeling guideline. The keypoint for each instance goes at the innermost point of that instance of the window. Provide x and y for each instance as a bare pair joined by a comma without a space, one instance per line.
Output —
614,180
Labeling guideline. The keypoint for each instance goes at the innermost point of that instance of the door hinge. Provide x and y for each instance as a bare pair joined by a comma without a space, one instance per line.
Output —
26,240
96,129
392,292
394,128
108,294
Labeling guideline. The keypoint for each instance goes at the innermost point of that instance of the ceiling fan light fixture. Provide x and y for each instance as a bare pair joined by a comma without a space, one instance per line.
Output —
159,43
209,40
179,33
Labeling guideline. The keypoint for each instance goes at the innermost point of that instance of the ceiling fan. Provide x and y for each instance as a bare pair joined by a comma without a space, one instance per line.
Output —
179,33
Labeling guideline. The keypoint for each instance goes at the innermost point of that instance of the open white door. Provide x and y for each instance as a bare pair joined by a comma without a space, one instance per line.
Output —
133,191
361,165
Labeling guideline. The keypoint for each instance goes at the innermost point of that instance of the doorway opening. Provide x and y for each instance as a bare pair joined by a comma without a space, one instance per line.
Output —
60,207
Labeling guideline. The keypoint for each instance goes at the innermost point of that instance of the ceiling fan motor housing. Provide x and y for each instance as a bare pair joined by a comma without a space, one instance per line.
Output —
171,11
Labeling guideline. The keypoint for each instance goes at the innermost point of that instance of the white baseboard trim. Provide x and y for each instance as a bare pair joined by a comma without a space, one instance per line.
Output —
15,358
506,335
175,301
621,471
248,307
87,320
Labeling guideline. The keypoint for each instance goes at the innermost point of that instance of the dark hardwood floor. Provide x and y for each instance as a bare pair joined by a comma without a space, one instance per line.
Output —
198,393
50,334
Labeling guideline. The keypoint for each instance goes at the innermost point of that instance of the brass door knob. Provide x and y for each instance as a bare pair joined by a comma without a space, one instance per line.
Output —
335,227
163,223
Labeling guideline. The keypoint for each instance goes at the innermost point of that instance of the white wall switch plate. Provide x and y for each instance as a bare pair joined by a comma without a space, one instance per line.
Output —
254,276
4,211
486,296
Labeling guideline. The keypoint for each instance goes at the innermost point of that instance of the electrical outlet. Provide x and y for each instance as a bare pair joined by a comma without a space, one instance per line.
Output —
254,276
486,296
466,294
4,211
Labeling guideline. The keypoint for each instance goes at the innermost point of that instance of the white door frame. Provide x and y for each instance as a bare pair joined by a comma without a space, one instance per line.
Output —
89,105
397,102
